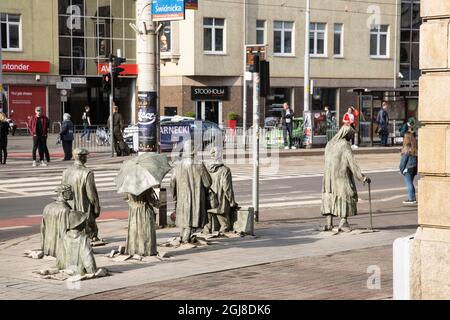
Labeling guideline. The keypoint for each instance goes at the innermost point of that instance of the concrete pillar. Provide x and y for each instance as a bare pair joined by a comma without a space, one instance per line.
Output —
430,252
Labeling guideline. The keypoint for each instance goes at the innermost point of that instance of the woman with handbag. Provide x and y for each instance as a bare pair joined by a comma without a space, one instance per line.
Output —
408,165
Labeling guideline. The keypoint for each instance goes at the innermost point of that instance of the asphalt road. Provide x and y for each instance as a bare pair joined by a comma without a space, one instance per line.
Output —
285,190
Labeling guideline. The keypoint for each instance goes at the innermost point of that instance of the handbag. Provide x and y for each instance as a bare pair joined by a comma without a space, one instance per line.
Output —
213,200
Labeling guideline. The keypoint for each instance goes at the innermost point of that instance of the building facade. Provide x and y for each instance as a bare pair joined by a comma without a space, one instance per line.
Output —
30,58
352,44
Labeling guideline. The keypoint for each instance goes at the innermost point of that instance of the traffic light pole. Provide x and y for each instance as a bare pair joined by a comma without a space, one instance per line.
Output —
255,186
111,103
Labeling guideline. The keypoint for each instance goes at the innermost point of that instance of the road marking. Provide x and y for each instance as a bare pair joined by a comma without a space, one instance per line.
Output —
13,228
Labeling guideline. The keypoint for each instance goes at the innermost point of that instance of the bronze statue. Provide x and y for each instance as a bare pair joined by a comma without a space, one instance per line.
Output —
189,183
222,185
76,252
339,195
85,199
55,221
141,239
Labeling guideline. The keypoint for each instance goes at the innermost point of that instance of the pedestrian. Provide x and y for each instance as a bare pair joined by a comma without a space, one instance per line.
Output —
408,165
411,123
190,183
383,124
85,195
141,239
328,117
66,134
350,119
339,195
287,117
117,129
4,131
38,126
12,126
86,118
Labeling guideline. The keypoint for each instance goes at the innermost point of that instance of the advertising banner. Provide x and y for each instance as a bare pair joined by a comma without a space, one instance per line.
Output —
168,10
22,102
147,121
307,128
129,69
191,4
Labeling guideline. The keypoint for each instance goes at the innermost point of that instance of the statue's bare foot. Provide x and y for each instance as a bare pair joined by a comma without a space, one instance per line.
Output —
344,226
326,228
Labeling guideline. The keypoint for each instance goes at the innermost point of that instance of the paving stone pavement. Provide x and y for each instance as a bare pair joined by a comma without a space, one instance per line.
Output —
342,275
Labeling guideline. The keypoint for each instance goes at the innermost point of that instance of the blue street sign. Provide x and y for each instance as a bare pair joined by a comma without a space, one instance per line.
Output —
168,10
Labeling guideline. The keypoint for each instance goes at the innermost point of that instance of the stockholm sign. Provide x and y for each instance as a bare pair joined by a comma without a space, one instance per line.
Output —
168,10
209,93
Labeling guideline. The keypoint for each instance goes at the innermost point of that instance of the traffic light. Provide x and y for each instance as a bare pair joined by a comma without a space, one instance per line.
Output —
117,62
264,76
254,67
106,81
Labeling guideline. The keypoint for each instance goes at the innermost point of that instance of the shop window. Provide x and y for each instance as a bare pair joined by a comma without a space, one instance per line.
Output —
10,31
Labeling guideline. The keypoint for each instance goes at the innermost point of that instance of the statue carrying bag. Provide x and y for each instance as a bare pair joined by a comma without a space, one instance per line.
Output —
212,199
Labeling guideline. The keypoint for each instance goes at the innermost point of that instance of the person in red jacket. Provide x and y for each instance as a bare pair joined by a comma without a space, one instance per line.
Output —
38,126
351,119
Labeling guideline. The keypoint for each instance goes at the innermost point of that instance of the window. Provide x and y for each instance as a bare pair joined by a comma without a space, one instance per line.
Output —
338,50
378,41
90,30
283,34
260,32
409,41
10,31
213,35
165,39
317,39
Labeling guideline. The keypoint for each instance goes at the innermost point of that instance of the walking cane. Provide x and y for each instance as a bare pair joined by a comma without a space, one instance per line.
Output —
370,207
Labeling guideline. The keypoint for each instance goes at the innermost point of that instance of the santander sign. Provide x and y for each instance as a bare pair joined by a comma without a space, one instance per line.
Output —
17,66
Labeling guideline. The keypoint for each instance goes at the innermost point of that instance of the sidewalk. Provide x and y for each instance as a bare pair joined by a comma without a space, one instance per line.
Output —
286,259
19,147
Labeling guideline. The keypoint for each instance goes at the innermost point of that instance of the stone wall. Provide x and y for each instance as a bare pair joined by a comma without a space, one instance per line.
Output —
430,252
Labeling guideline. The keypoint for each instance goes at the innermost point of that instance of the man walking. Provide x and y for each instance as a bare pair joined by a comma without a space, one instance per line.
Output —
117,129
38,126
287,115
66,134
86,123
383,124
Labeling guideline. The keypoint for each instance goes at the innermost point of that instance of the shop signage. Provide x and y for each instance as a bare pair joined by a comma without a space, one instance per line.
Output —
129,69
17,66
63,85
209,93
168,10
75,80
191,4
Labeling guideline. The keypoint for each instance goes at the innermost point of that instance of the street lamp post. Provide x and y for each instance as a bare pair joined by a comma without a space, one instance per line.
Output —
306,96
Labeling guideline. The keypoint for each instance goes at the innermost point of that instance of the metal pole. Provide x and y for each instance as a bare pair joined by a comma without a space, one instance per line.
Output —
307,71
111,103
255,188
395,44
370,208
158,87
244,81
